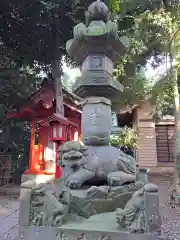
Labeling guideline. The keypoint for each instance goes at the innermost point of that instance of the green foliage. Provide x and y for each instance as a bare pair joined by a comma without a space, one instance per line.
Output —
34,32
162,98
16,137
128,138
114,5
163,91
150,26
15,85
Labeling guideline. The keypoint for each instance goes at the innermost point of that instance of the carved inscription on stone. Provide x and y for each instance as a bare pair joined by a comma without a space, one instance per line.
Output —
97,63
61,236
105,237
83,237
94,116
99,80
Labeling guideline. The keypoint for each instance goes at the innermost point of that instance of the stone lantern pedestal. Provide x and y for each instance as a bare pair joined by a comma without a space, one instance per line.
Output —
99,196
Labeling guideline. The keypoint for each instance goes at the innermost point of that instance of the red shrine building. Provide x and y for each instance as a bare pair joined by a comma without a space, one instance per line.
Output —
49,130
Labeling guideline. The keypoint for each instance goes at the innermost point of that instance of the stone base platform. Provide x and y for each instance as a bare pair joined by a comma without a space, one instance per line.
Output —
102,199
91,215
38,178
101,227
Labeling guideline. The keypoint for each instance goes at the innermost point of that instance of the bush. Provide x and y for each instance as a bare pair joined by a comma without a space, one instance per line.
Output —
127,139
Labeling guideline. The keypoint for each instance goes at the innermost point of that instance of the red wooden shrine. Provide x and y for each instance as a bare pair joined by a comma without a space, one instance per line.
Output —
49,130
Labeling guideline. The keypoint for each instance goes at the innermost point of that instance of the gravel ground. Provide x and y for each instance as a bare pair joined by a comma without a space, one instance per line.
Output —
170,216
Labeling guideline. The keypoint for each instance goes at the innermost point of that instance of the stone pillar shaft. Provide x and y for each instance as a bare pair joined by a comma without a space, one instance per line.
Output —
96,121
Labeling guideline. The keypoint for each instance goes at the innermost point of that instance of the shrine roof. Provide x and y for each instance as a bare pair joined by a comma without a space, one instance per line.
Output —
33,106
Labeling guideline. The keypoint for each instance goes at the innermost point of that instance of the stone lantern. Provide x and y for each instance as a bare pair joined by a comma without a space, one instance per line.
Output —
96,47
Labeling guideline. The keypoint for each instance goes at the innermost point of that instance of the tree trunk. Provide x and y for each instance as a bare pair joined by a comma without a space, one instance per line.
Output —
56,74
56,64
176,177
177,134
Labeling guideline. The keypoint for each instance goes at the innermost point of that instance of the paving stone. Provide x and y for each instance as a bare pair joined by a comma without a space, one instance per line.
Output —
9,218
12,234
9,207
15,214
7,224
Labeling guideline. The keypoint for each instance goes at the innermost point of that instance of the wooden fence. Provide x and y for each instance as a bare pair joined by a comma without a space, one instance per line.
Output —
5,169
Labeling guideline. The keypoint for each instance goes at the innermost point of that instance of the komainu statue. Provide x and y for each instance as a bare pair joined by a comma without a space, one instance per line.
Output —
96,164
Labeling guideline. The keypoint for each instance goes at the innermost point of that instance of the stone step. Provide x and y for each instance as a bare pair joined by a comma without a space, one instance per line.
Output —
10,190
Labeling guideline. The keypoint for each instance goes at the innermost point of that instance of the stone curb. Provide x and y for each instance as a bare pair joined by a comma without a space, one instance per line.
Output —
10,190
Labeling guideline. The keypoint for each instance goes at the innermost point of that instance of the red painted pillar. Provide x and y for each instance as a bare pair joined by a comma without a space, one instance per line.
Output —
34,152
43,143
32,155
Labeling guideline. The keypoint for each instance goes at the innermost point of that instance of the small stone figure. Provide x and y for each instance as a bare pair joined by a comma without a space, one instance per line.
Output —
38,219
173,195
47,209
133,217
